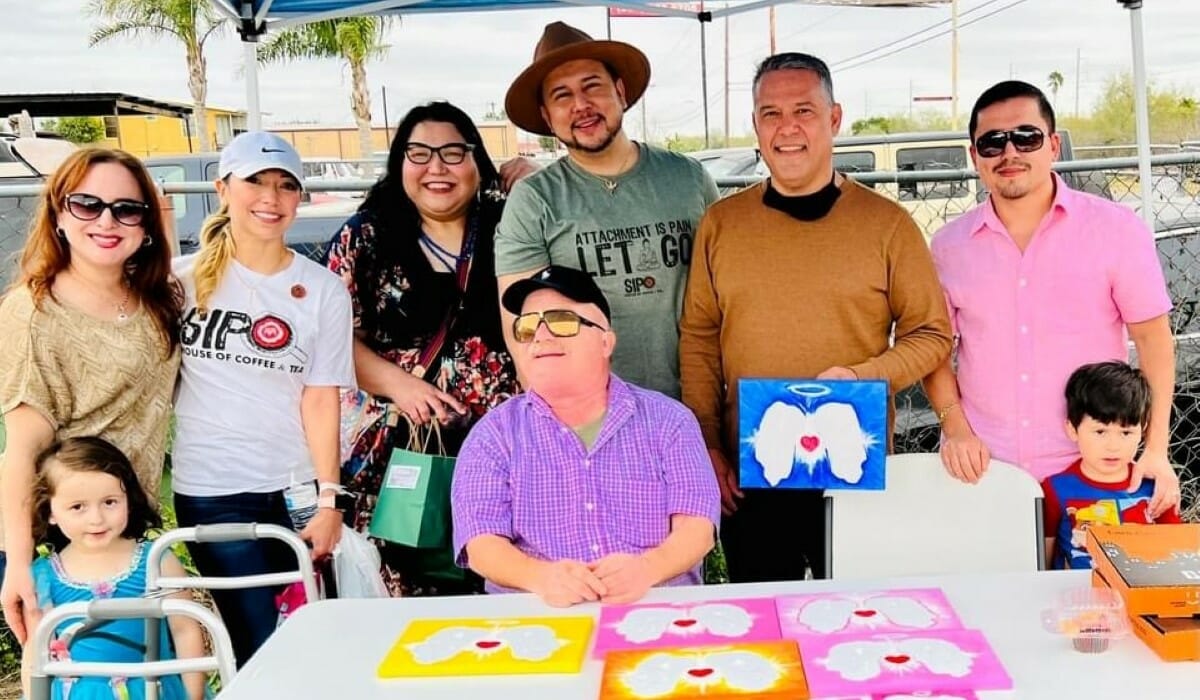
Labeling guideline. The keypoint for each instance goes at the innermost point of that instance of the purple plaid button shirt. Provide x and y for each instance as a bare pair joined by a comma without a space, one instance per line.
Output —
523,475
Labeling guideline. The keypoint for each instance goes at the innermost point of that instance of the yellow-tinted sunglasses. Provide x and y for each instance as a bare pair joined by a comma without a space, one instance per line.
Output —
560,322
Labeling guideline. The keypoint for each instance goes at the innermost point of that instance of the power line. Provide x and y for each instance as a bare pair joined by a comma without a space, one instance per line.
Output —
843,68
919,32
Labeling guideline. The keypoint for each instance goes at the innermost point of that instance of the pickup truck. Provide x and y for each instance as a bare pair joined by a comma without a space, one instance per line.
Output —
315,222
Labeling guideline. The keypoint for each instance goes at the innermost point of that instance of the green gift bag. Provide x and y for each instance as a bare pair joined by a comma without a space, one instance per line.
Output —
413,507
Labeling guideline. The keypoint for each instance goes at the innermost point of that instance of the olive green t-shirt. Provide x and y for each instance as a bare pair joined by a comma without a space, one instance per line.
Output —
588,432
634,238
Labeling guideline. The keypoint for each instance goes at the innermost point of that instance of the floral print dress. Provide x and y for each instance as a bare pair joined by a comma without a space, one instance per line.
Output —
400,302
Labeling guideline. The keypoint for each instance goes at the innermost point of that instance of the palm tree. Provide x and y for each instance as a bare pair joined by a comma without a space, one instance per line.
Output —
354,40
192,22
1054,81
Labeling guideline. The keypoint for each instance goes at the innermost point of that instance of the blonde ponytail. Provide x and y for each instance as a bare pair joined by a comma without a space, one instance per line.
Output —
216,252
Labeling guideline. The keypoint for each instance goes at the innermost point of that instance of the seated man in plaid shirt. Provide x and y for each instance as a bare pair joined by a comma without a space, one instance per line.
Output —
583,488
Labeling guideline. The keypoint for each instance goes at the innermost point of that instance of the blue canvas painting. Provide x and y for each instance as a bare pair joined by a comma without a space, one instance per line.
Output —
812,434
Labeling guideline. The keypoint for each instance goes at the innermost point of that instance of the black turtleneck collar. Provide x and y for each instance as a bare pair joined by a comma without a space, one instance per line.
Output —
805,207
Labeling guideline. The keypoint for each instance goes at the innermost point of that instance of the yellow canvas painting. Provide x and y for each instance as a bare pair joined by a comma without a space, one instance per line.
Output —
482,647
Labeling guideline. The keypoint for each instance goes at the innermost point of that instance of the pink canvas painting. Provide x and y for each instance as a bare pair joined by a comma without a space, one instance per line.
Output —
902,610
660,625
917,695
849,665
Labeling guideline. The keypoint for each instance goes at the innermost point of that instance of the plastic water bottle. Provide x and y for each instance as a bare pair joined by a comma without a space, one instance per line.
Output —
300,497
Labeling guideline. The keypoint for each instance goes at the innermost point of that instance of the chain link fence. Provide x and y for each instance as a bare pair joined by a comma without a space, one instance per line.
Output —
934,197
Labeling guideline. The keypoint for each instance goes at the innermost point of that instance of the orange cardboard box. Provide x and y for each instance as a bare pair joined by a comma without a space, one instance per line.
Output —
1172,638
1155,568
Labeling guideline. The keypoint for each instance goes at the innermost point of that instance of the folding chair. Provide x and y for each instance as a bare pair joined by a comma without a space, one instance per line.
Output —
928,522
158,585
93,612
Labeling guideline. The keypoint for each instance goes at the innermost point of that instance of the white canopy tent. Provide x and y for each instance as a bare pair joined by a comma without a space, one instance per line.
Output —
257,17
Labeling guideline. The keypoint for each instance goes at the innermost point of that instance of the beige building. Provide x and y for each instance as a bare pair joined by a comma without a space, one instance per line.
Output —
341,142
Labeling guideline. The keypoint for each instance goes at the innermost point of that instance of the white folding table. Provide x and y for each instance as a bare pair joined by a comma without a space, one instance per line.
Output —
331,649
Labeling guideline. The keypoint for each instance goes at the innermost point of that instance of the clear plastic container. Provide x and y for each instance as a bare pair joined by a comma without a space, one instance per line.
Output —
300,498
1090,617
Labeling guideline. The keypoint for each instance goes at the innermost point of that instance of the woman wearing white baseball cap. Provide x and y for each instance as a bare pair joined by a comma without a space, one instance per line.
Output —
266,337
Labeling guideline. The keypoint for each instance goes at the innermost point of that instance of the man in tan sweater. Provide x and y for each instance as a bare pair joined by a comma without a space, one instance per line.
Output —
804,275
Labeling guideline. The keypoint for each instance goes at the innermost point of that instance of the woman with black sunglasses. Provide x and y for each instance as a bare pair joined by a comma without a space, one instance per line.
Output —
91,347
417,259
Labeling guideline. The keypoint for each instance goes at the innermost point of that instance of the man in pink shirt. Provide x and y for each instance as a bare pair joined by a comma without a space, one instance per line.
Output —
1041,279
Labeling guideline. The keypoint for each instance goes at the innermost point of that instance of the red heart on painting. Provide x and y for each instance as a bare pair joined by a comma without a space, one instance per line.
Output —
487,645
810,442
700,672
686,622
865,613
897,659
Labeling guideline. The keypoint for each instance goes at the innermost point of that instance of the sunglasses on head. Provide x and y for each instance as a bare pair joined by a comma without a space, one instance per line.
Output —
560,322
1025,138
450,153
86,207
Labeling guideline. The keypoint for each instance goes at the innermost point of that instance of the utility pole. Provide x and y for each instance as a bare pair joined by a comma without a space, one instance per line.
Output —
910,100
1079,78
954,64
771,15
726,80
645,136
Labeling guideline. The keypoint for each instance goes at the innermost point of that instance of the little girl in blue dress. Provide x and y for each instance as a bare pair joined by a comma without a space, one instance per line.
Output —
87,503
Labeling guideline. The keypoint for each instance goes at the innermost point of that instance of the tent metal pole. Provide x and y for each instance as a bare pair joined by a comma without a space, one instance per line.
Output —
704,18
1141,109
250,31
253,110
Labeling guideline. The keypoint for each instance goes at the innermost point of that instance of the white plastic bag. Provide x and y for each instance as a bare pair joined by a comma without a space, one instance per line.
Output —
356,565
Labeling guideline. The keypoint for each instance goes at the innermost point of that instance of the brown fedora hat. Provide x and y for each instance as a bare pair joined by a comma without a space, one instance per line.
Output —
560,43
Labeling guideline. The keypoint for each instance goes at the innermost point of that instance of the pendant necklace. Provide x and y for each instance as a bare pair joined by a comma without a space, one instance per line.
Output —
122,315
610,182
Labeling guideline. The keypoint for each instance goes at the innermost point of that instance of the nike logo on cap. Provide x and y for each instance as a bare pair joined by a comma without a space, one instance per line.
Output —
273,150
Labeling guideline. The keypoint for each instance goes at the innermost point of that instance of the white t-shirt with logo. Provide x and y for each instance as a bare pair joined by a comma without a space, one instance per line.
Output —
245,366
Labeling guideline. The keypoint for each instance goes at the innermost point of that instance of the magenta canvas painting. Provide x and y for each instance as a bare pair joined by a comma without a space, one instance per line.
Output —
947,661
661,625
901,610
916,695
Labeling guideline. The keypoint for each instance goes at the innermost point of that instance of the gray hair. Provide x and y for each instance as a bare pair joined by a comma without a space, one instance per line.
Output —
795,61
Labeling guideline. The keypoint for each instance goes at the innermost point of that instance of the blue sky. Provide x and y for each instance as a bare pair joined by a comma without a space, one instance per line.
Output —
471,58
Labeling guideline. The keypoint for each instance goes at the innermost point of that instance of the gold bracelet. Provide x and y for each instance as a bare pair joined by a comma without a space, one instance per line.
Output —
941,415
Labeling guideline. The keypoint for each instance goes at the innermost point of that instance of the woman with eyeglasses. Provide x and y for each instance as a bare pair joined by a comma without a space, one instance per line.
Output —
417,259
91,347
266,348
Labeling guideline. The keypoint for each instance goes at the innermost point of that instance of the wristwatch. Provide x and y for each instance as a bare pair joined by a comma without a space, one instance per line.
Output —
328,495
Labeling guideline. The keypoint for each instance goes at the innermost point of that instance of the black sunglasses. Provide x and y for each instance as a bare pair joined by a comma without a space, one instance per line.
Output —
560,322
450,153
86,207
1025,138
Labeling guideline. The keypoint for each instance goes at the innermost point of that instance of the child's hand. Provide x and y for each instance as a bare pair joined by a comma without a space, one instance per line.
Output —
324,531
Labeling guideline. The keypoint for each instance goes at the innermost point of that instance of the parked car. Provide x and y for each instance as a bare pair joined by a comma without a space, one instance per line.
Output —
315,224
23,161
931,204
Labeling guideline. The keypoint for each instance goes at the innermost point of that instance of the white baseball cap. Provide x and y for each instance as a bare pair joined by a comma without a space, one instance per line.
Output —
252,152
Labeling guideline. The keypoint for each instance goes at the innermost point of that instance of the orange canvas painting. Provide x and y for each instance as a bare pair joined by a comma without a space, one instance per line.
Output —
765,670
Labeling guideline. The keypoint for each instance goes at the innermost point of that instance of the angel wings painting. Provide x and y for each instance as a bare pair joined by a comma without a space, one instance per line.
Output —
812,434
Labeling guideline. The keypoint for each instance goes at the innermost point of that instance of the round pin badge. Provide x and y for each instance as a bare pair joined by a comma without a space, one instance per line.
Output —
298,291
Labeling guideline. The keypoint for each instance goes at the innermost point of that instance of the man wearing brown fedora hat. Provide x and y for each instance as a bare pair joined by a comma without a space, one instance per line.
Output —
624,212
